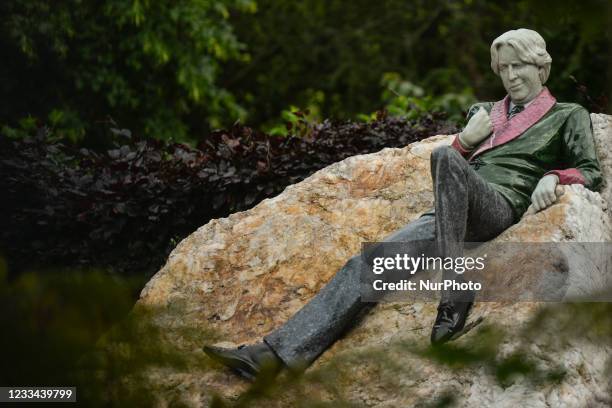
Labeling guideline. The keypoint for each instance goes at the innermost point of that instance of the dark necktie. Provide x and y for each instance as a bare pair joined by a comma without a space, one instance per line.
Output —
515,110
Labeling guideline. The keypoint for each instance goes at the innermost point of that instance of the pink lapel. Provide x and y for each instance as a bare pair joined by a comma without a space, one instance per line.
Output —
505,130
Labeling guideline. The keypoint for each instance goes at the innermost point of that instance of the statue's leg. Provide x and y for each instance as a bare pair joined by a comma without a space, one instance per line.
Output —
326,316
467,208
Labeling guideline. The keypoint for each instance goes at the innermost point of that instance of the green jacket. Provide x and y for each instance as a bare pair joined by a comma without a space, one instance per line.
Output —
546,138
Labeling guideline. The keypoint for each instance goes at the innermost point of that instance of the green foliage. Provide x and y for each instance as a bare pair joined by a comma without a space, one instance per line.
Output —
75,327
400,98
50,320
440,46
405,99
151,65
294,121
61,124
179,68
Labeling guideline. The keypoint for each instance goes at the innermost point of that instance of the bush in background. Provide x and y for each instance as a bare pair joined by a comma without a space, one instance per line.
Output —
127,206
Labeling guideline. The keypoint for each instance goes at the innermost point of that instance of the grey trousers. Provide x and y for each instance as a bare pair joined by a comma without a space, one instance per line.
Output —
467,209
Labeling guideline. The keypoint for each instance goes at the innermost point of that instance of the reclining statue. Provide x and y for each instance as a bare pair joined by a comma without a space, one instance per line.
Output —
511,155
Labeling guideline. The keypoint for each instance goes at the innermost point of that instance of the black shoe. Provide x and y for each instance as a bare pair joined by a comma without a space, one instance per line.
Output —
451,318
247,361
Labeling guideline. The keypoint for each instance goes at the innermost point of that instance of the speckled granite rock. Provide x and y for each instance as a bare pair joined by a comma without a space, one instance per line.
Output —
243,275
602,129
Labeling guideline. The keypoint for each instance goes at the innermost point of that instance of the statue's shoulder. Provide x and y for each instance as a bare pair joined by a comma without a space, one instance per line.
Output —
572,114
569,108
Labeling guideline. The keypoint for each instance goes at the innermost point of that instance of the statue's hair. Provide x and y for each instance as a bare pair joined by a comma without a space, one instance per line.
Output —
529,46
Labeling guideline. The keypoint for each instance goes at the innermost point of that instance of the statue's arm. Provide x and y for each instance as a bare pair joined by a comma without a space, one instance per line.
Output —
579,151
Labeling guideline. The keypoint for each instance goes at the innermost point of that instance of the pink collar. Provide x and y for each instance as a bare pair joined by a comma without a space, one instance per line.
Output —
505,130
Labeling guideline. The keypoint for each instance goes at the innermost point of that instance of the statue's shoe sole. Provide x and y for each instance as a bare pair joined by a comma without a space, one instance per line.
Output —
236,363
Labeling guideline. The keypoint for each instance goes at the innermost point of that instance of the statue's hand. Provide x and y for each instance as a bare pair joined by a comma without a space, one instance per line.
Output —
477,129
544,193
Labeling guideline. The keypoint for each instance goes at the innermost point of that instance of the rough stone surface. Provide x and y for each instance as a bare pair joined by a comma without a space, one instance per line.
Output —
602,126
244,275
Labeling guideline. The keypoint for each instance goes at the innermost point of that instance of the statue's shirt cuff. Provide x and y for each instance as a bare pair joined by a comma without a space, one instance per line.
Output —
456,144
568,176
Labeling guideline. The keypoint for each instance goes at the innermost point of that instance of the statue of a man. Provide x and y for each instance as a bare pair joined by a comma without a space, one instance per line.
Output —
512,154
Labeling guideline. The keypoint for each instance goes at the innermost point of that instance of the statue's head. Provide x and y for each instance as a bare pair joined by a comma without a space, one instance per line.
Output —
519,57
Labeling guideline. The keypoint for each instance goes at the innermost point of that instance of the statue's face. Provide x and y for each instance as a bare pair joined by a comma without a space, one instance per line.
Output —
521,79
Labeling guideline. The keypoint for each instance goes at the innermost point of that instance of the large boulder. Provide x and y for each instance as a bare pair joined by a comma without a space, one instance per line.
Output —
241,276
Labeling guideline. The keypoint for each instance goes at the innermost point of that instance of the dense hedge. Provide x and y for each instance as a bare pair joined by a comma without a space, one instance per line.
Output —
127,206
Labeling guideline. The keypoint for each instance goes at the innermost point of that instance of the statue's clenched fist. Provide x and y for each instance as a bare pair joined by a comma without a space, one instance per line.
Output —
544,193
477,129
